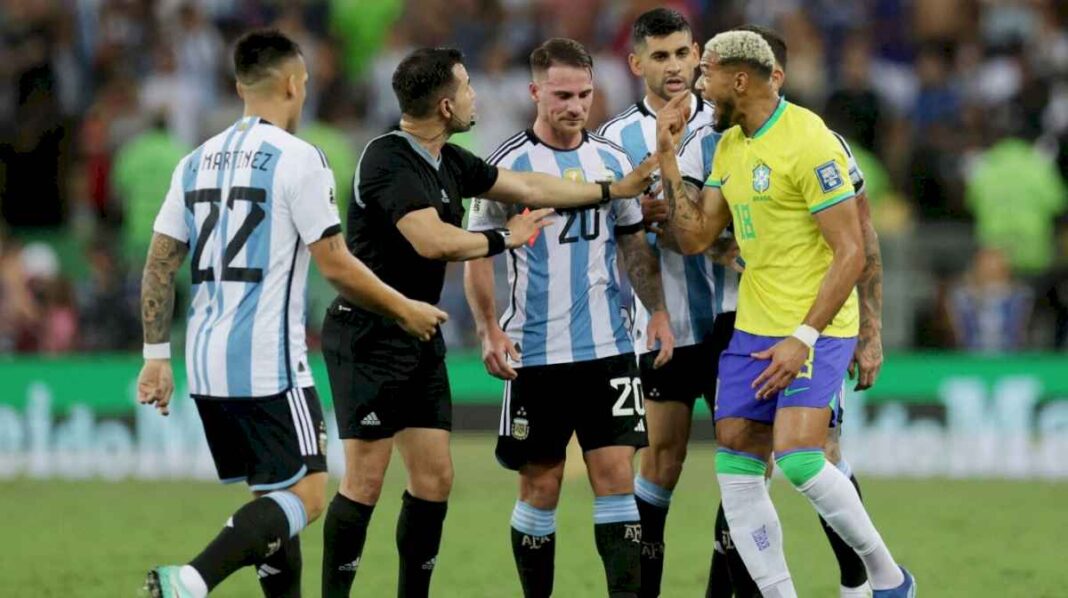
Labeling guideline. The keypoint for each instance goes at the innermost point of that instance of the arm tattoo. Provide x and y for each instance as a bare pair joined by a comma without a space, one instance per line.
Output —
683,212
165,256
667,234
643,269
870,284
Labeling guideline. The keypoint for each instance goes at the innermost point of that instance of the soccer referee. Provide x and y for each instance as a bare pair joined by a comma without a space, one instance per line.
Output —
405,223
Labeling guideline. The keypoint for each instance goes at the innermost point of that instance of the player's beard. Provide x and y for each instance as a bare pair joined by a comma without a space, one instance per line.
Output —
724,115
456,125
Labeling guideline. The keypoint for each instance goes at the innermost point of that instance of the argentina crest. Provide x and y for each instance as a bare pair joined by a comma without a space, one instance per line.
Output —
520,425
761,178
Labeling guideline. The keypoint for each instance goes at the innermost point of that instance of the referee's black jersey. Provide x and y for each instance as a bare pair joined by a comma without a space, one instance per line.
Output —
396,175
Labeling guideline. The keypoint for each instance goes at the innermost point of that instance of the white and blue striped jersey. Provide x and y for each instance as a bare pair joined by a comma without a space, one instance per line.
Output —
695,165
565,301
690,282
248,203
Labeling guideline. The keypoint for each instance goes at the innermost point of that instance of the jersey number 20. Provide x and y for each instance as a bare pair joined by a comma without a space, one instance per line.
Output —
585,230
256,215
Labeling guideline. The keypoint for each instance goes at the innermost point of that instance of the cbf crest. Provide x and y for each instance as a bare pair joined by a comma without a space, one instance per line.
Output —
761,178
520,425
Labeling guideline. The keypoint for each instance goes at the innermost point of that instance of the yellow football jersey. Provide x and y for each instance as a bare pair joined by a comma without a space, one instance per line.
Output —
774,182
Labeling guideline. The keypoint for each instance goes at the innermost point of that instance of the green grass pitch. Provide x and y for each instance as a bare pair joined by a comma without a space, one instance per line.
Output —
961,538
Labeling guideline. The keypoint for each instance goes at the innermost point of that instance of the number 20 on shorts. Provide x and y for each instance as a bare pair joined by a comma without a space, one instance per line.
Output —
628,387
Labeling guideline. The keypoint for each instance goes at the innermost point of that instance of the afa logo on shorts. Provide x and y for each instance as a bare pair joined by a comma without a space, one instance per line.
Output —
520,425
828,176
761,178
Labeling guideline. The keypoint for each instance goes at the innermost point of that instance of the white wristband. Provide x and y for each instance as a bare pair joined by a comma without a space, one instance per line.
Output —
157,351
807,335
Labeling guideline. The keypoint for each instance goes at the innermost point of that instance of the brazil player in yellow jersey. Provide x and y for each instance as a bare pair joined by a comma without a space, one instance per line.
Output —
781,176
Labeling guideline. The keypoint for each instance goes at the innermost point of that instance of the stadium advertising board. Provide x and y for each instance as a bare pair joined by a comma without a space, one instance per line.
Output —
929,416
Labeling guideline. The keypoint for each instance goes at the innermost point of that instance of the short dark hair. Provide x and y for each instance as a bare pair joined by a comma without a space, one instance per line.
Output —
777,43
560,51
658,22
423,77
258,51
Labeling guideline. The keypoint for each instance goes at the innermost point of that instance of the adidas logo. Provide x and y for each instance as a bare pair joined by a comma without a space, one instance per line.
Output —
429,565
371,420
640,427
267,570
350,566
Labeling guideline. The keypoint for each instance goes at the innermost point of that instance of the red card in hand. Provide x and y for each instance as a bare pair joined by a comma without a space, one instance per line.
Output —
530,242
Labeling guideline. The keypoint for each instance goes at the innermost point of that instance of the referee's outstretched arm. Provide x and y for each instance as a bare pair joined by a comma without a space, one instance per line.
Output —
536,189
435,239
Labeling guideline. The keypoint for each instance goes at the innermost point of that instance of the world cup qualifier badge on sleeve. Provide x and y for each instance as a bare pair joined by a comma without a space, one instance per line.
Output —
828,176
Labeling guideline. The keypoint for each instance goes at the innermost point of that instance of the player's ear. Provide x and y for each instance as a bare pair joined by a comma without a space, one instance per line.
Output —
635,63
741,81
534,91
291,86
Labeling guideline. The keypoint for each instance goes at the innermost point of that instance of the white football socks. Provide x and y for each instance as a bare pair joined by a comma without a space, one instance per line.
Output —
756,532
836,500
192,581
862,591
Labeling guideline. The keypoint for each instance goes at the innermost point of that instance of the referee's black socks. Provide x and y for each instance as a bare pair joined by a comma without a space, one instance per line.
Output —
617,530
418,539
254,534
344,534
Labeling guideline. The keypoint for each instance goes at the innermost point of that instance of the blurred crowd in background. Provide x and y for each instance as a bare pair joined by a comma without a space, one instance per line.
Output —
957,111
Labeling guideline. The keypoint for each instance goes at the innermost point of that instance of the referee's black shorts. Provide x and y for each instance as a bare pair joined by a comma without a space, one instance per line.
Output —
268,442
382,379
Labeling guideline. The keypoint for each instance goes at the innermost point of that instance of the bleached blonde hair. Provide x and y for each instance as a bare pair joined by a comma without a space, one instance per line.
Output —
732,47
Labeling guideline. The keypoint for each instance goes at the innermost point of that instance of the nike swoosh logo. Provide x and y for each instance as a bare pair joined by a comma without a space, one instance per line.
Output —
723,181
792,391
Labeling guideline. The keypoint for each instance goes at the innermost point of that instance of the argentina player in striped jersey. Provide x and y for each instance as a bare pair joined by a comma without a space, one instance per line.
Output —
562,344
695,288
255,205
695,166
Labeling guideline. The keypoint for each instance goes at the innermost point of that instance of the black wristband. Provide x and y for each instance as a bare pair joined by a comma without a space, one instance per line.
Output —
496,242
606,190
